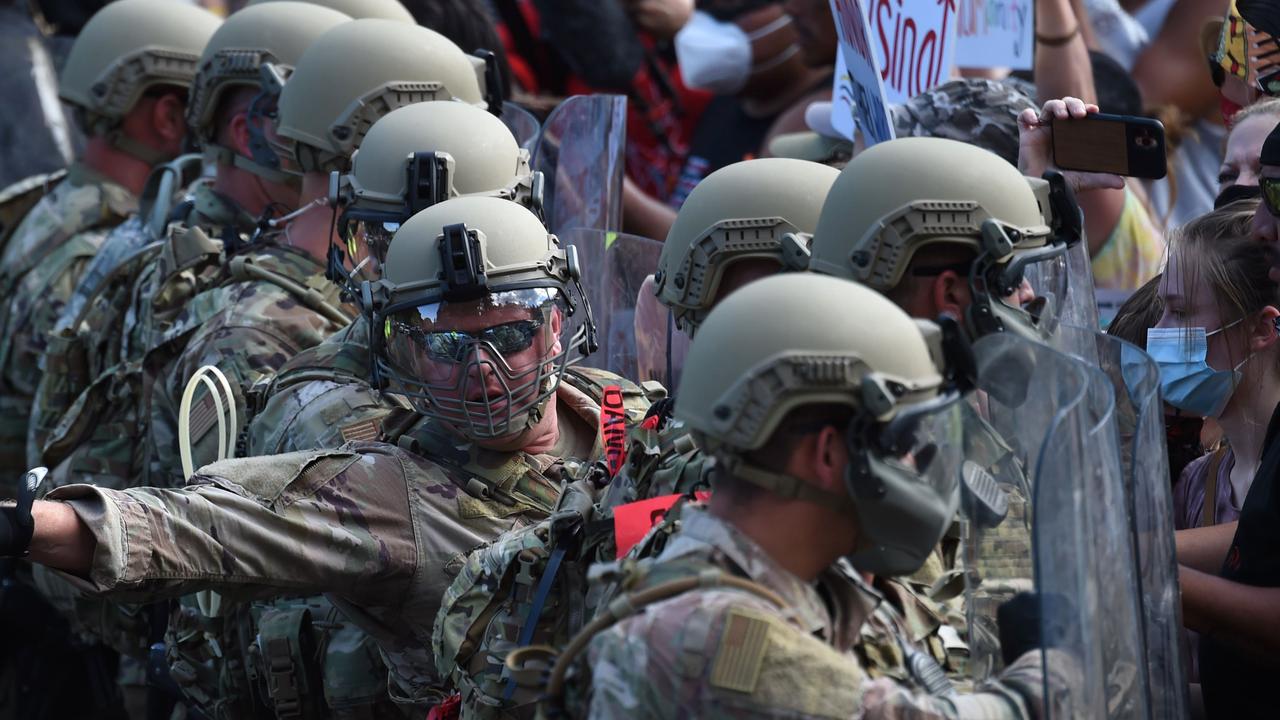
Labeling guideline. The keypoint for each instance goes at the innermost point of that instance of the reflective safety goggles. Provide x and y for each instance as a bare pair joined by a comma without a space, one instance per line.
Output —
1270,194
370,229
453,345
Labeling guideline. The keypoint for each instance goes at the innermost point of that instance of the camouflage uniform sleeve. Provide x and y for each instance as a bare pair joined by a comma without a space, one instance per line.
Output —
718,654
1018,694
341,524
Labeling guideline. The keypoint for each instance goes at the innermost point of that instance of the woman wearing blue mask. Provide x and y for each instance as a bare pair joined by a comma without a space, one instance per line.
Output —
1216,345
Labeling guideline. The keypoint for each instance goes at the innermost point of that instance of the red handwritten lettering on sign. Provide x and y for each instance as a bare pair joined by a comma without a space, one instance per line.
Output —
913,57
852,29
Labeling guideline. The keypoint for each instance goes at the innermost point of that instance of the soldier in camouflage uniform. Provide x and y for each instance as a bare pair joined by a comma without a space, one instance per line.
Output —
483,348
712,249
103,336
325,392
825,439
976,263
127,77
410,159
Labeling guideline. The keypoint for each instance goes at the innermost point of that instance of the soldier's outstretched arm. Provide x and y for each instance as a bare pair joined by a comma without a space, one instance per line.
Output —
60,539
340,524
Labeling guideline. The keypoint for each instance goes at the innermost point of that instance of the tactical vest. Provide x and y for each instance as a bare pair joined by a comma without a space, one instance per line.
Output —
303,667
529,588
61,228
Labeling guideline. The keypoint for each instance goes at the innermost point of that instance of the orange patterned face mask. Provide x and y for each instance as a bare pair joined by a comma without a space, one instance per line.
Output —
1248,54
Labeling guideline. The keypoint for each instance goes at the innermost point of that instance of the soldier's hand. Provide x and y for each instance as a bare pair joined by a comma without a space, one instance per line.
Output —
1031,621
16,524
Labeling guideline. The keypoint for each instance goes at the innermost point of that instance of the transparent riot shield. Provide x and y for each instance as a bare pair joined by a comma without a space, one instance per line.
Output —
1148,501
522,124
614,269
580,155
1080,308
1043,573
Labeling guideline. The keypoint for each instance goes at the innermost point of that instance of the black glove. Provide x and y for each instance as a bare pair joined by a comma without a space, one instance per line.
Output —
16,524
1031,621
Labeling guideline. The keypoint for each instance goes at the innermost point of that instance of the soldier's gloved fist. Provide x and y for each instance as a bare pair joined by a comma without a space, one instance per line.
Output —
16,523
1031,621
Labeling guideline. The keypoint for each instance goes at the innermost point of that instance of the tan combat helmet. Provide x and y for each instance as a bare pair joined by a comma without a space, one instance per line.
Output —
794,341
127,48
359,9
423,154
360,71
477,315
763,208
900,196
275,32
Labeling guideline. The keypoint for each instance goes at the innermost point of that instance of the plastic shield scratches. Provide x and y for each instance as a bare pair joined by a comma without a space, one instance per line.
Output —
614,268
1044,427
580,154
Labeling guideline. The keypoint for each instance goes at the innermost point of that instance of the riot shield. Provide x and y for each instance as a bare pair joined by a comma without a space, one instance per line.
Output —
580,155
522,124
614,269
1148,502
1080,308
1044,429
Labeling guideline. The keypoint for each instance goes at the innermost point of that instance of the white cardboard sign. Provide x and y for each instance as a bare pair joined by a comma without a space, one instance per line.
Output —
995,34
858,95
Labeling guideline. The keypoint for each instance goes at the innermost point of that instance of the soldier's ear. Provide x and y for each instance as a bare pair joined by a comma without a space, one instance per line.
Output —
831,457
950,294
238,132
168,117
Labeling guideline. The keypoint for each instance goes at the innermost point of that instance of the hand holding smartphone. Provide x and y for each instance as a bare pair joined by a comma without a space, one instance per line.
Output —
1117,144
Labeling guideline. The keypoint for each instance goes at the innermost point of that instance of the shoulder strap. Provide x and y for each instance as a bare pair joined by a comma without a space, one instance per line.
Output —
316,292
18,199
1209,514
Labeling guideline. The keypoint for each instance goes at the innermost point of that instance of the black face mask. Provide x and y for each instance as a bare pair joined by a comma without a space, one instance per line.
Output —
1236,192
1182,434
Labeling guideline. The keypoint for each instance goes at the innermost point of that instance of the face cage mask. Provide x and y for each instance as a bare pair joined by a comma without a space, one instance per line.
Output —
519,398
904,508
995,286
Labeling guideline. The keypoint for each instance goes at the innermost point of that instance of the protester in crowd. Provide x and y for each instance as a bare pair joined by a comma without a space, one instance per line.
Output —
1217,349
1242,158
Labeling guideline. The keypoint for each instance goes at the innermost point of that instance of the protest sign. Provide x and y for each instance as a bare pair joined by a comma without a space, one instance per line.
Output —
995,34
858,92
914,42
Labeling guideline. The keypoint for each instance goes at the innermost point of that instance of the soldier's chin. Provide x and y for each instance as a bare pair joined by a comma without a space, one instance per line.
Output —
481,428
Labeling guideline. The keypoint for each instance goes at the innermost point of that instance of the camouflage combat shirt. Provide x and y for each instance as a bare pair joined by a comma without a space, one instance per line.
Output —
41,264
381,529
722,652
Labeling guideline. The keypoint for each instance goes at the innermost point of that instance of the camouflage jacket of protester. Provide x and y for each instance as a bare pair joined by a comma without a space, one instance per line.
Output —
41,264
725,652
381,529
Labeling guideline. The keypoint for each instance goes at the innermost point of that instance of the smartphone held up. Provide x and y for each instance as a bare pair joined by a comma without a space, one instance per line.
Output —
1118,144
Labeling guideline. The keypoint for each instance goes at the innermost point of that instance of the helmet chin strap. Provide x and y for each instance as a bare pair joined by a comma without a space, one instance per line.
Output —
136,149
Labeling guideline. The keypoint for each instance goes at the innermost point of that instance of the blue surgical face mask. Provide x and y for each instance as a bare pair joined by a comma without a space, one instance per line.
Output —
1186,380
